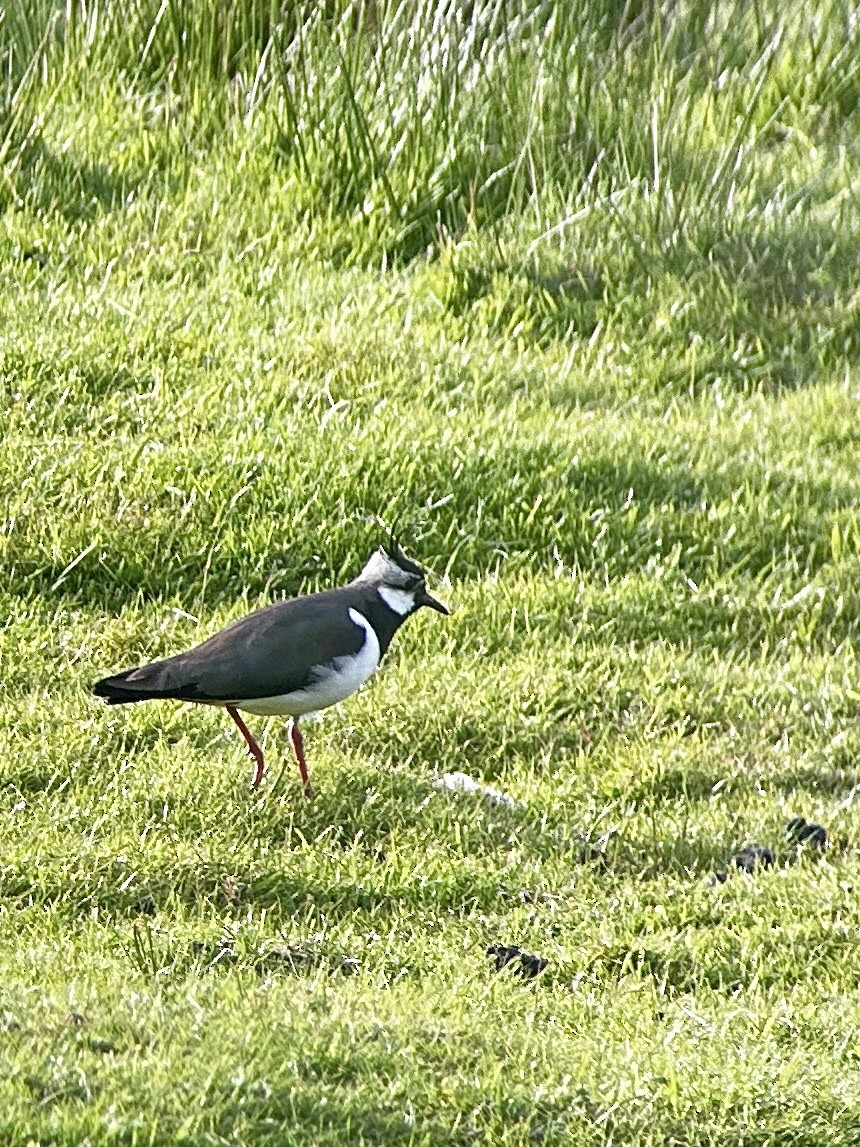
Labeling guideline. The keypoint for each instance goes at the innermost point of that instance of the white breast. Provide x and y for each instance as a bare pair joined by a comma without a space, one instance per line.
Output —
334,682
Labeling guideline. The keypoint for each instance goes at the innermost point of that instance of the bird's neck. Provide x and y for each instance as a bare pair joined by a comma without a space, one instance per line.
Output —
385,621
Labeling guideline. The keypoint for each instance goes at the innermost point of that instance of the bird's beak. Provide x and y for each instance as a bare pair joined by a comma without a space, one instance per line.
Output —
424,598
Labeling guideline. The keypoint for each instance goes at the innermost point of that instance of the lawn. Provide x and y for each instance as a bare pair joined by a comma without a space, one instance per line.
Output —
571,296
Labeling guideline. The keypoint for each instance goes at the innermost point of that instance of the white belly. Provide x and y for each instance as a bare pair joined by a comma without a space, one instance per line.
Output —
334,682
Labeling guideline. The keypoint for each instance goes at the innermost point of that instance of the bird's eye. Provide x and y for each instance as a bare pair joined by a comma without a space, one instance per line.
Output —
412,581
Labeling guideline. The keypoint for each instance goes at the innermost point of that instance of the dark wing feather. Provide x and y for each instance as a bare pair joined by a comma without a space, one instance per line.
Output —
268,653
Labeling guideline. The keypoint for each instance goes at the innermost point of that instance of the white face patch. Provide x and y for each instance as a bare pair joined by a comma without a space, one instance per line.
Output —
399,600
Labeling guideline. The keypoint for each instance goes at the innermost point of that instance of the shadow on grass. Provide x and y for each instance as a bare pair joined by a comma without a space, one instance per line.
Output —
678,968
702,624
286,894
333,1114
829,780
610,513
301,870
788,316
52,181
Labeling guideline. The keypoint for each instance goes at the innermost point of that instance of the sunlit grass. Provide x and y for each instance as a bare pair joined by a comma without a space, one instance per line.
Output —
574,302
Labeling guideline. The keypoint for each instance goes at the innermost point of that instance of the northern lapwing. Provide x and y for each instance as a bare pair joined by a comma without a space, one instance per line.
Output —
291,658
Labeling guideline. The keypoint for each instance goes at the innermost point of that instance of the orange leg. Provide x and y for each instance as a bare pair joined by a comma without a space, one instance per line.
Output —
299,748
253,748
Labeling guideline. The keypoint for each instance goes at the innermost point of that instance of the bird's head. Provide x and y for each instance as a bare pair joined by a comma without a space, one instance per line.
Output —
399,582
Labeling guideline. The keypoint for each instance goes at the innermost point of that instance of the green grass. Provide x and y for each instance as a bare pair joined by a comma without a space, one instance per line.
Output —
574,301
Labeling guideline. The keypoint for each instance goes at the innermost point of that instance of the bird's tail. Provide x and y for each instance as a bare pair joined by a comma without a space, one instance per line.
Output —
140,684
117,691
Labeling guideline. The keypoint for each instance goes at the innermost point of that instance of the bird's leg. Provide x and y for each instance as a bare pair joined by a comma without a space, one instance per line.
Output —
299,749
253,748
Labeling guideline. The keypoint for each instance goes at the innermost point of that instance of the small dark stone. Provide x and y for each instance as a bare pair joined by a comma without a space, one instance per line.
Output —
720,877
804,832
526,964
76,1020
794,827
814,835
532,965
751,856
504,953
103,1045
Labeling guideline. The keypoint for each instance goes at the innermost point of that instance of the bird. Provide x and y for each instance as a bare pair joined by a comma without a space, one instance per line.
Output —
291,658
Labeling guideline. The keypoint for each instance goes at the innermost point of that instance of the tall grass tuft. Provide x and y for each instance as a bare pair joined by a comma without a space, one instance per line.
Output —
25,39
403,121
415,118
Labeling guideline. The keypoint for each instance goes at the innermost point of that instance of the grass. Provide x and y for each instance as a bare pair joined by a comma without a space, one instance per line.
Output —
572,300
